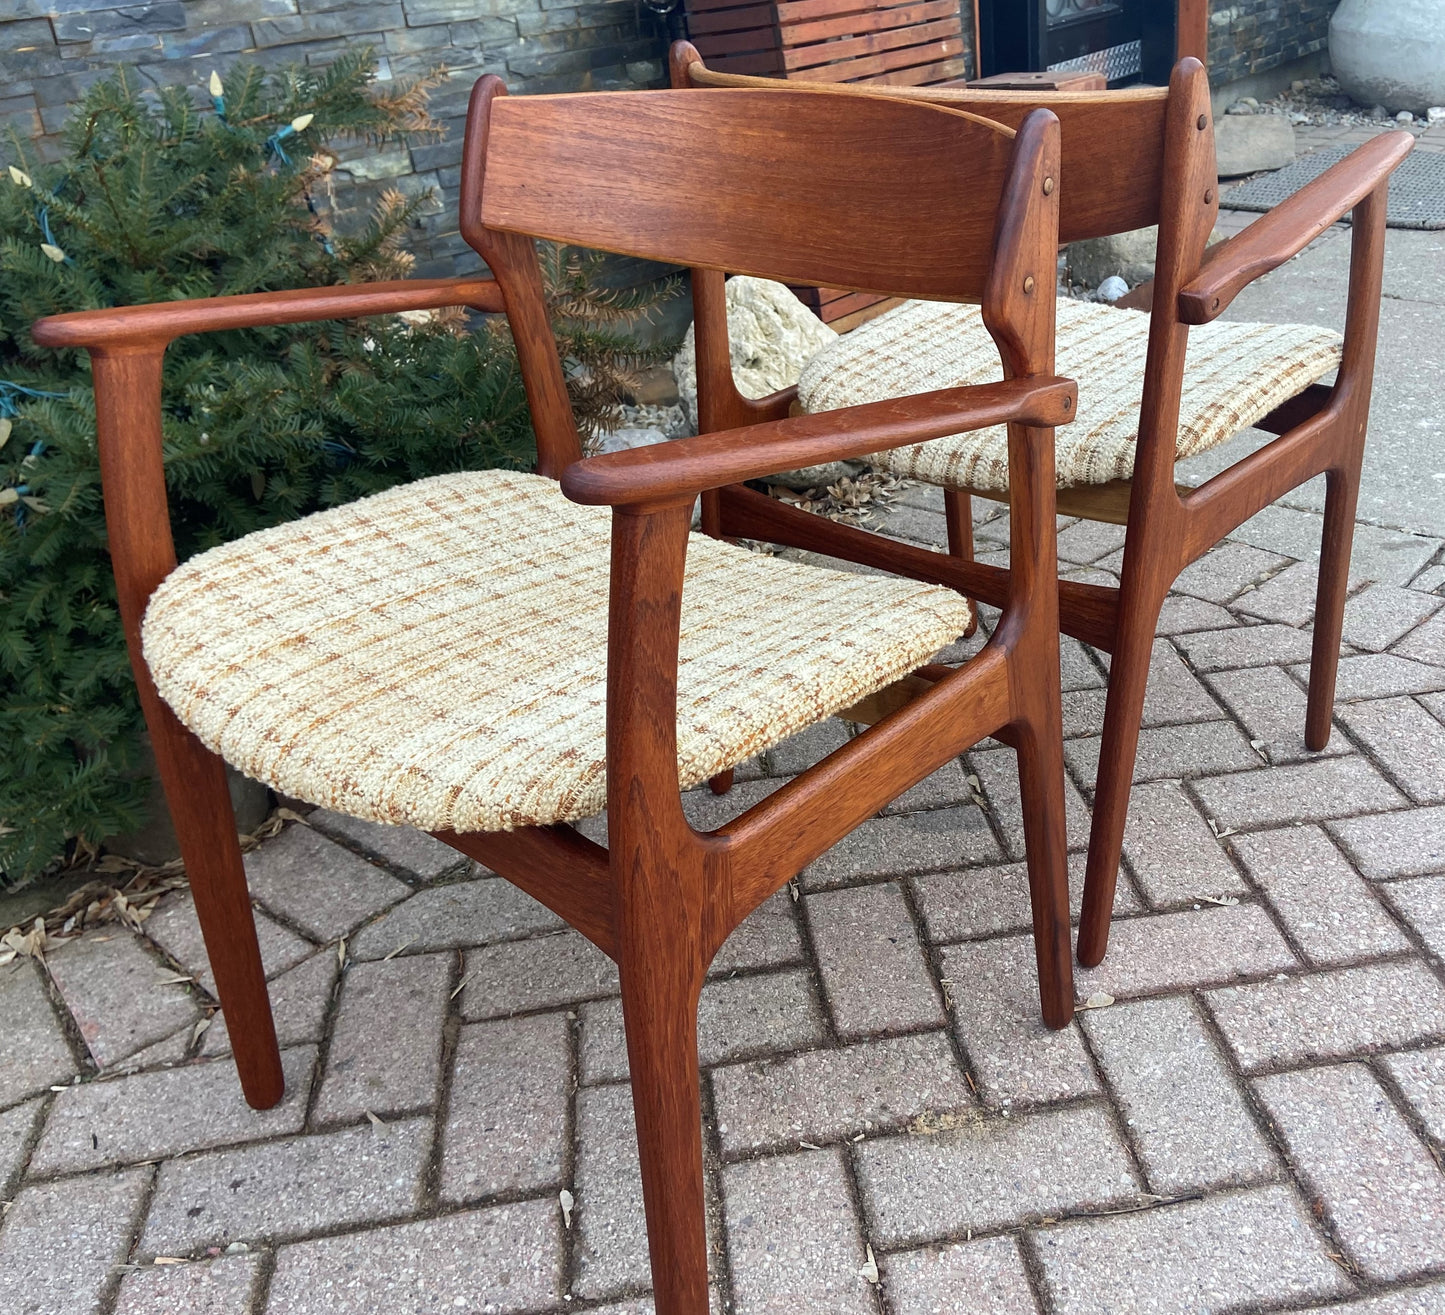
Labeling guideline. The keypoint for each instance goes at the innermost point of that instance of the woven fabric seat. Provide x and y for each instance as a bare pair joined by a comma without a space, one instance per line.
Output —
436,655
1235,374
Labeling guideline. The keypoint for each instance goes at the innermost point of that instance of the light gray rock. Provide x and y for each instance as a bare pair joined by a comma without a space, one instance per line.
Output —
1129,256
1391,51
771,336
1247,144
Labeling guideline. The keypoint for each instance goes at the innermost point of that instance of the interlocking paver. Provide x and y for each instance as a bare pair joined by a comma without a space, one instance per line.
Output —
984,901
1422,904
455,916
507,1258
948,787
33,1051
113,989
1245,646
768,1012
150,1116
1175,693
987,1275
767,938
173,926
1191,948
1173,853
1087,541
386,1042
537,974
506,1128
16,1127
1272,707
1325,1015
1305,792
1382,1191
1381,676
1077,669
1084,712
611,1254
1400,844
993,989
317,884
1427,1300
1288,597
808,747
1203,1256
59,1241
794,1237
217,1287
998,770
1199,748
988,1174
288,1188
895,846
823,1095
1220,575
1320,898
300,998
1381,614
1406,739
1420,1075
874,973
1183,615
1426,644
401,846
1187,1119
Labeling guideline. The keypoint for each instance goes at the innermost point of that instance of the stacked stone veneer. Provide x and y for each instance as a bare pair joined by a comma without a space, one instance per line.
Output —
52,50
1254,36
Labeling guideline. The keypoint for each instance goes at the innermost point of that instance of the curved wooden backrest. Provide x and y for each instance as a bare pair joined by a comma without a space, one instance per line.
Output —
883,195
1112,176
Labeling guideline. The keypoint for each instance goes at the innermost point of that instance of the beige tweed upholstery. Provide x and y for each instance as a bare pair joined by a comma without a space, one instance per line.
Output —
436,655
1235,374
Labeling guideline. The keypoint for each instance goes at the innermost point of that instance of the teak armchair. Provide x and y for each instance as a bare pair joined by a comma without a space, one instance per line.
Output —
471,655
1131,158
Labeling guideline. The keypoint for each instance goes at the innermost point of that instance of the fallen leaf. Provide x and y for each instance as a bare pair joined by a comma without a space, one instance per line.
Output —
1099,1000
200,1029
566,1200
398,949
169,1260
174,979
375,1122
458,989
870,1268
341,953
1224,901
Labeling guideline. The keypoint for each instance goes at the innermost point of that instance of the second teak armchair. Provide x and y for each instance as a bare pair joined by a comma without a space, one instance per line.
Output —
491,656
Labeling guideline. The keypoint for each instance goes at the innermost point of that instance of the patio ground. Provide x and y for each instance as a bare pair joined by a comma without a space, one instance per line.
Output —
1256,1123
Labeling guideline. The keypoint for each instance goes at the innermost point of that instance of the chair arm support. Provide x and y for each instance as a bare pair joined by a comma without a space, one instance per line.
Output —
156,324
1291,226
678,471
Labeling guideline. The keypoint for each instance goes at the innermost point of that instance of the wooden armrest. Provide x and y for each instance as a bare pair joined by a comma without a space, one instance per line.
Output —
1291,226
680,470
156,324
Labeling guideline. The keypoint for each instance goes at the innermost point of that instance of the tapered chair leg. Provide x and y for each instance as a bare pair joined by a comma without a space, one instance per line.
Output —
958,513
659,1009
1041,788
1123,713
194,780
1342,489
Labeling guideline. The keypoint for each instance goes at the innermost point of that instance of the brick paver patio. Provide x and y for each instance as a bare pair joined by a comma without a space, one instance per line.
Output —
1255,1122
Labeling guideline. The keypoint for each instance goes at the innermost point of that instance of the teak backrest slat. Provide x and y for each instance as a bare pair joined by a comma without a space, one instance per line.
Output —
882,195
1118,136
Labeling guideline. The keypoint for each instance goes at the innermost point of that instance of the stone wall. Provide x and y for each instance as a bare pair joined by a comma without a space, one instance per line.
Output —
52,50
1253,36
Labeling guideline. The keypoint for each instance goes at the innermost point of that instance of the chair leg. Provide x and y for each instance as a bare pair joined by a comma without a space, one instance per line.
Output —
660,989
1041,788
722,782
1123,712
958,512
1342,489
194,780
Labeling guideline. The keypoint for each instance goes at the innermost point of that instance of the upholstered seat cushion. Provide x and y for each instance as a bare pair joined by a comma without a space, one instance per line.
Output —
436,655
1235,374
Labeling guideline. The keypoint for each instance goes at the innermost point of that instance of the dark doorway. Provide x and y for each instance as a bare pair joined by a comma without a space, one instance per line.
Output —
1125,40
